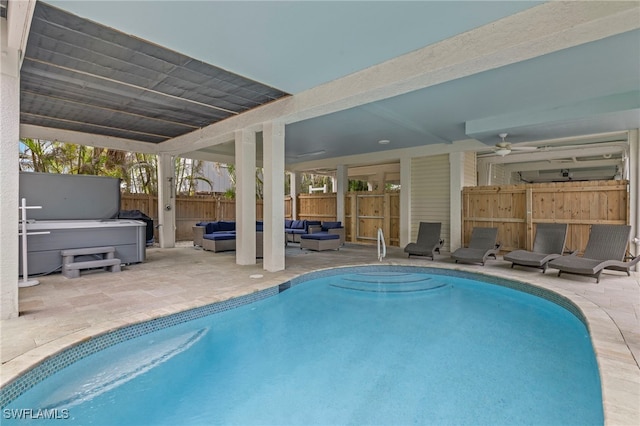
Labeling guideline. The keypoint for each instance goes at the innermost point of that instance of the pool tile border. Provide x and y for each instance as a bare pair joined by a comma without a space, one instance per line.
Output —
68,356
102,341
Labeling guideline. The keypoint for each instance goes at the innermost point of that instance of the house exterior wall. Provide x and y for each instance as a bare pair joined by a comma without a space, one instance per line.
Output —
470,177
217,175
430,194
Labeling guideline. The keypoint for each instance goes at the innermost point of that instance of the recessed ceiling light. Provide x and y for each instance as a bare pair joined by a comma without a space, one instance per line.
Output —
384,141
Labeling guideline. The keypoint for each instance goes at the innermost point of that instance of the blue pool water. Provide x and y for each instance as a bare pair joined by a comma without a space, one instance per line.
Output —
363,348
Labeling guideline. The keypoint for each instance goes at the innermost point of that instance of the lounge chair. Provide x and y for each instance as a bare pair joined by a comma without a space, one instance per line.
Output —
605,250
547,245
429,242
483,245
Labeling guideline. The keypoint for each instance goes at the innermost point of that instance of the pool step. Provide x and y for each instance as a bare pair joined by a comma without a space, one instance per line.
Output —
71,268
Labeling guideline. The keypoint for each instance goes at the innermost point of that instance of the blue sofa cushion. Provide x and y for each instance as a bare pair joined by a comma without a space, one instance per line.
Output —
211,227
331,225
259,226
219,236
320,236
298,224
297,231
226,226
287,223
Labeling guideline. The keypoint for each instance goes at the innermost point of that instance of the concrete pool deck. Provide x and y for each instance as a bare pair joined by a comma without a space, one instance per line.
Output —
61,312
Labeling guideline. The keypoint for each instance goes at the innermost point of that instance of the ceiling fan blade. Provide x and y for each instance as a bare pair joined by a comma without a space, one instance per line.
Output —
523,148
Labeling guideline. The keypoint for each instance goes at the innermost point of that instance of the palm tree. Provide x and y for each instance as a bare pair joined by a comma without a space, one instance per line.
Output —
138,172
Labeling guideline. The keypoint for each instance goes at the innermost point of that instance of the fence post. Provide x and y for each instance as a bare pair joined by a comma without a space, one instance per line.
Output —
354,216
529,217
386,209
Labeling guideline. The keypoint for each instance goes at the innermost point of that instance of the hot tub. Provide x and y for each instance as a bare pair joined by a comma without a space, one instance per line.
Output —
43,251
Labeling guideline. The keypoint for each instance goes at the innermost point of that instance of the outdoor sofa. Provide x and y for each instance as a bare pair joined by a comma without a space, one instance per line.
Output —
211,227
221,236
330,236
295,228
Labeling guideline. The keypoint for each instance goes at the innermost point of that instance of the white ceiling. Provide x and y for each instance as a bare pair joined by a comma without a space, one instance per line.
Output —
295,46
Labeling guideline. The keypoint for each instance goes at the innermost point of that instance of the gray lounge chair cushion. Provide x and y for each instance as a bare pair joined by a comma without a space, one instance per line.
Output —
607,242
529,258
482,245
605,250
428,241
548,245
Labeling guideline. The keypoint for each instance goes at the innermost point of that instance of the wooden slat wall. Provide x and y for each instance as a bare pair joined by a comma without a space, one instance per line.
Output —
365,212
316,206
288,207
516,210
376,210
189,210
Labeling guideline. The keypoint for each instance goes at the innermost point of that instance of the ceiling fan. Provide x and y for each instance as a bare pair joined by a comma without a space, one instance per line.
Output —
503,148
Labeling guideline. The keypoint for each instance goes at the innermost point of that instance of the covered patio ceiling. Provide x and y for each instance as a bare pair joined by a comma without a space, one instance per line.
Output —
81,76
113,69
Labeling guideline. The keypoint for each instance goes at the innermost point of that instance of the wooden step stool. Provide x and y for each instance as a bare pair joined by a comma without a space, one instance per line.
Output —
71,269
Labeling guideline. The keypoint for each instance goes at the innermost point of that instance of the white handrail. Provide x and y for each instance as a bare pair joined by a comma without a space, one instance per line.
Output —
381,255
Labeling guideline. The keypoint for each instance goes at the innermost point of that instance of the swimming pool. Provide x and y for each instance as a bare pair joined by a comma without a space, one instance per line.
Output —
377,345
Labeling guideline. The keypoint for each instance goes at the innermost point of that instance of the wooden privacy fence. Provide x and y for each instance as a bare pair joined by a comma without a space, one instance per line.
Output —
516,210
365,212
189,210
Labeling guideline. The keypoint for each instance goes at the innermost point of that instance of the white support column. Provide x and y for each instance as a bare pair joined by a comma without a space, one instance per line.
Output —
273,163
634,191
405,201
245,142
456,181
341,186
296,178
9,195
166,200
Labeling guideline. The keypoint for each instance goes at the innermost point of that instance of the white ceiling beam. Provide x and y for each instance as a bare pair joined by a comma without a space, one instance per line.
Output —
390,155
19,15
47,133
538,31
214,158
